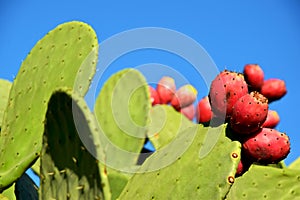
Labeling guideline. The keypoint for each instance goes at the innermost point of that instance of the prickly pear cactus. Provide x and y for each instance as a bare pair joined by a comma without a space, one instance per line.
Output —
187,176
4,93
262,182
68,169
67,52
122,109
166,123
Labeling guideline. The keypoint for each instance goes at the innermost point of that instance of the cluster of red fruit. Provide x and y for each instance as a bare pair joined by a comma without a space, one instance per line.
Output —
241,100
181,99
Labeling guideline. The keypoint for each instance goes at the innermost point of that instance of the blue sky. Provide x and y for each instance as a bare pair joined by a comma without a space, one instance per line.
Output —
233,33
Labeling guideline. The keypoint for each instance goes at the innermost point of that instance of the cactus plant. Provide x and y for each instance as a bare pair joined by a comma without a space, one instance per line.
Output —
188,177
47,125
55,61
68,169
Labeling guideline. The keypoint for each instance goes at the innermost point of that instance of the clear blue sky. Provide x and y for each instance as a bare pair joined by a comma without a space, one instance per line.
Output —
232,32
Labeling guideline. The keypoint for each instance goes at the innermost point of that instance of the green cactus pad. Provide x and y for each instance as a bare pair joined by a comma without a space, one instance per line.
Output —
295,164
68,169
122,110
261,182
65,54
4,93
165,124
188,177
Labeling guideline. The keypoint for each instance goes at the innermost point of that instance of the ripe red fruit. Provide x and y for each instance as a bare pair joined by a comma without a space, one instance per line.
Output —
225,90
272,119
154,98
203,111
188,111
254,76
273,89
166,89
184,96
267,146
249,113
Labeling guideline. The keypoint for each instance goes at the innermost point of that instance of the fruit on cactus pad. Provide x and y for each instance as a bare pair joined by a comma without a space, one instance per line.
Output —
184,96
267,146
272,119
274,89
249,113
154,98
225,90
188,111
254,76
166,89
203,111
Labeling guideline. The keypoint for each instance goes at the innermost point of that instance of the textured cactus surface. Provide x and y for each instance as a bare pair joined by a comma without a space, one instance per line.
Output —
166,123
4,93
68,170
53,62
188,177
122,109
262,182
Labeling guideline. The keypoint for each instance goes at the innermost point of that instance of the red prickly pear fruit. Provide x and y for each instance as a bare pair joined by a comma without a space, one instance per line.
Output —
154,98
249,113
267,146
203,111
188,111
166,89
225,90
254,76
184,96
272,120
274,89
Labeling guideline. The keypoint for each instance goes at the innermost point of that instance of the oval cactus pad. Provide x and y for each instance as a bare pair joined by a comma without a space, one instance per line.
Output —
65,54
